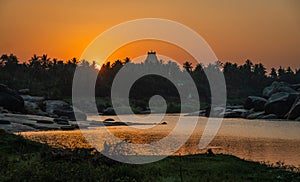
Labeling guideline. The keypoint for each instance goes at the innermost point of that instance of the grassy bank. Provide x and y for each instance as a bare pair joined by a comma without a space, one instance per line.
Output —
24,160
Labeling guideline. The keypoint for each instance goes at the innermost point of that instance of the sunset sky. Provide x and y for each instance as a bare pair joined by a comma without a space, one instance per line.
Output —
266,31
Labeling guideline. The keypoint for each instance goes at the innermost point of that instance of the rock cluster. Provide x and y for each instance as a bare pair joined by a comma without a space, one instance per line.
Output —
20,111
280,100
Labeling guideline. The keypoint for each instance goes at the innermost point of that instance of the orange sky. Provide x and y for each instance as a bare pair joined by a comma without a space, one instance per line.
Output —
261,30
140,48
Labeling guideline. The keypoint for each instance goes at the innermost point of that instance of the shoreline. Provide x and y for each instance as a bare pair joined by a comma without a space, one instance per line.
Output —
259,149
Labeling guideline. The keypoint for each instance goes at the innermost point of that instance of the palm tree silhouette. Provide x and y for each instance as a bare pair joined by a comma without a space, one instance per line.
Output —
187,66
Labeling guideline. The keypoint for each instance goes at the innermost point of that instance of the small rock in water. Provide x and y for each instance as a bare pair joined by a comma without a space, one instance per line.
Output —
164,123
109,119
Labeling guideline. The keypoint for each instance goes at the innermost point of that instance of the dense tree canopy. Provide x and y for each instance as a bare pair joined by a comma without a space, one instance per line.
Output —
53,78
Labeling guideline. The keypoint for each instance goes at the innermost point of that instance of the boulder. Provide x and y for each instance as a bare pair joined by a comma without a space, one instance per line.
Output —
35,99
67,127
24,91
269,116
295,110
15,127
109,119
71,114
2,110
235,113
296,86
33,108
163,123
255,115
61,108
10,100
280,103
248,112
4,121
51,105
231,114
257,103
276,87
28,122
61,119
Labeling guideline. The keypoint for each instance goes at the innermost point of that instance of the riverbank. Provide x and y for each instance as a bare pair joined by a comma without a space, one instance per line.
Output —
24,159
257,140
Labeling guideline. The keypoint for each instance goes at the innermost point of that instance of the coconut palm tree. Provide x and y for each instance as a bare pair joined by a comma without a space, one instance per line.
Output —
187,66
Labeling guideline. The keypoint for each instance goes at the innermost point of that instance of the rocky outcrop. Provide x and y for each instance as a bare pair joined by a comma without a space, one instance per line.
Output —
61,108
294,112
24,122
52,105
10,99
276,87
257,103
280,103
235,113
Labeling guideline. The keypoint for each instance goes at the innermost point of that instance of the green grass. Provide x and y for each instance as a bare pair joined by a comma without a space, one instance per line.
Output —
24,160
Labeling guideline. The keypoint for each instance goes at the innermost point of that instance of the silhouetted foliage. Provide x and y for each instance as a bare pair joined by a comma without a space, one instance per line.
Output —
53,78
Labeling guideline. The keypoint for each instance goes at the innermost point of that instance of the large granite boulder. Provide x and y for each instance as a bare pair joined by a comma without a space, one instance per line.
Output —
257,103
10,100
294,112
280,103
276,87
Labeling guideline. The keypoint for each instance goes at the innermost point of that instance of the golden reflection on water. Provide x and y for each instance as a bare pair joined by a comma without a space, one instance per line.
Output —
257,140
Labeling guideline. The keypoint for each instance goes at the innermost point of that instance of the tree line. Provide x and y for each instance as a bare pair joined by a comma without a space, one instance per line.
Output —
53,78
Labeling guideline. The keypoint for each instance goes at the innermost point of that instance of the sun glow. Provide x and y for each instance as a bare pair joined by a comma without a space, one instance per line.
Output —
97,66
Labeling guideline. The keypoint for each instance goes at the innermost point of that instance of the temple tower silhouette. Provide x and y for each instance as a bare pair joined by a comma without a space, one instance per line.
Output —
151,58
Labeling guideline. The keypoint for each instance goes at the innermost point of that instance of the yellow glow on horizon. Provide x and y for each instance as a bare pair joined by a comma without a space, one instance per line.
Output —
97,67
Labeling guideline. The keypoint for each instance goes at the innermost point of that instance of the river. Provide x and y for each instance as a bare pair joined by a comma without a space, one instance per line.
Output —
256,140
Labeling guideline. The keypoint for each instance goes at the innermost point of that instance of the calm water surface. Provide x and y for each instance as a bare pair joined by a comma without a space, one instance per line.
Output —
257,140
